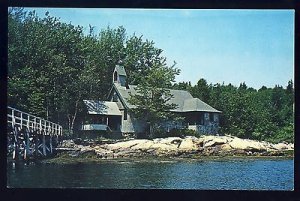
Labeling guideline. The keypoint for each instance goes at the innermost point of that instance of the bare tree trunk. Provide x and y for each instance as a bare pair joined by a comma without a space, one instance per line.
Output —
69,123
74,116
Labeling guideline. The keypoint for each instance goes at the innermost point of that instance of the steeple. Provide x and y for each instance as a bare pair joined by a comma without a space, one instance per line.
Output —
119,75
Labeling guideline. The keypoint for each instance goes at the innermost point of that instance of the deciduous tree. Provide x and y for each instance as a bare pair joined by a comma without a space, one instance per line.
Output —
153,94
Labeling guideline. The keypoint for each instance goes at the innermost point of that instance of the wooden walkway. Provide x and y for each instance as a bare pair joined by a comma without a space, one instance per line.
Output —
30,136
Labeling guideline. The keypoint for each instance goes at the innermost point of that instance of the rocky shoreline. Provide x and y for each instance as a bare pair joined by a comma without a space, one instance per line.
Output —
173,147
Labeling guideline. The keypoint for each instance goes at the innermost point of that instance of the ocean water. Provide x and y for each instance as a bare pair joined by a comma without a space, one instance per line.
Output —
225,174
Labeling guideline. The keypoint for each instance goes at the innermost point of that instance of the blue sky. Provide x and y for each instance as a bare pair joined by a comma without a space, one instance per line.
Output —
230,46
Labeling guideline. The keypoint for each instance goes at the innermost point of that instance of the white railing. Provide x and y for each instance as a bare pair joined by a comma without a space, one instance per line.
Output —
94,127
33,123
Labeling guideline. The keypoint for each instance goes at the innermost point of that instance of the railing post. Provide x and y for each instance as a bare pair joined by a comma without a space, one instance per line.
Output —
13,121
27,143
40,131
45,127
35,127
44,144
51,144
21,120
28,121
50,128
16,143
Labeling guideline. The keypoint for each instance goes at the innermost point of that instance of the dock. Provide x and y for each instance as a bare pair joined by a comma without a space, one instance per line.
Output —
29,136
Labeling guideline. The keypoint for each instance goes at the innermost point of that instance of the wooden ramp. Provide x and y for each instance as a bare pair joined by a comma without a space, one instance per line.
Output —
29,136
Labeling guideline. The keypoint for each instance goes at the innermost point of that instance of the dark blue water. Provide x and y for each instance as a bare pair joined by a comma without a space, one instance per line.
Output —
240,174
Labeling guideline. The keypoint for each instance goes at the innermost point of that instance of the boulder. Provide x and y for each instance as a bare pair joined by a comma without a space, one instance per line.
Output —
281,146
226,147
243,144
125,145
213,141
212,150
268,146
188,144
256,146
103,151
210,143
291,147
208,138
67,144
127,153
164,147
222,140
143,145
83,148
168,140
198,141
192,138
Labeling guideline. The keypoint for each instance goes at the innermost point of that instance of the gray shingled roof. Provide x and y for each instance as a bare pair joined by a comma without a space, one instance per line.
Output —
124,93
120,70
179,96
102,107
183,99
195,104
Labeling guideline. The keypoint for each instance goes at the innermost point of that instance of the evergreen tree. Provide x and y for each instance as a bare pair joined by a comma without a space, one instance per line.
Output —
201,90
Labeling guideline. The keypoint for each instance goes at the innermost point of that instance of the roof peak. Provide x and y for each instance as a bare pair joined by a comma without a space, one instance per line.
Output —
120,70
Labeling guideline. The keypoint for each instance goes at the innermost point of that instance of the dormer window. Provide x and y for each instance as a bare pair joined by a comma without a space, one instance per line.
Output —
115,98
115,76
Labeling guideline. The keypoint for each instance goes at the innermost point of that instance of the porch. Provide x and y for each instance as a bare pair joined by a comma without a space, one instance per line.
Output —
102,116
102,123
202,122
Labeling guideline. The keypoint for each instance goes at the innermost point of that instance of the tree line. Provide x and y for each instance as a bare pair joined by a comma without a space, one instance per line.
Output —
263,114
53,66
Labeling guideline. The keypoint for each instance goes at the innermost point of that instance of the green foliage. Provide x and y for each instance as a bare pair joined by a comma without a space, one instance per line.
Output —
152,96
183,86
201,90
285,134
182,133
140,57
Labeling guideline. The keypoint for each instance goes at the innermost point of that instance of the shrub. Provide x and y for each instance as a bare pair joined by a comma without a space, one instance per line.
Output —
67,135
285,134
189,132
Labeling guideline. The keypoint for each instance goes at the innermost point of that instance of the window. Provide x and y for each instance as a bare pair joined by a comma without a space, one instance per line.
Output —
115,97
115,76
206,116
125,114
211,117
216,117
